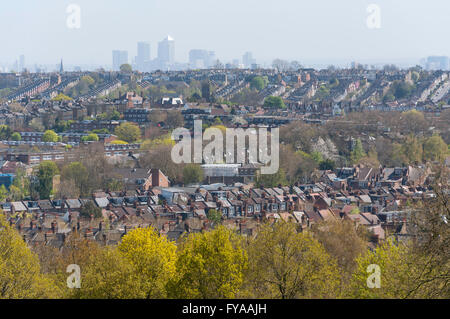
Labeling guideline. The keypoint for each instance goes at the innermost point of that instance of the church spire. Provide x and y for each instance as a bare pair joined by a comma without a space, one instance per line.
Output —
61,68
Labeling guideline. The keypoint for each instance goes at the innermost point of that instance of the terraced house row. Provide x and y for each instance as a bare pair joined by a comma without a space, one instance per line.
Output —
379,207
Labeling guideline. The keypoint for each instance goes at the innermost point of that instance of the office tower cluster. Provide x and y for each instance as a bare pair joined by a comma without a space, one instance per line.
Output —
437,63
119,58
165,58
143,62
201,59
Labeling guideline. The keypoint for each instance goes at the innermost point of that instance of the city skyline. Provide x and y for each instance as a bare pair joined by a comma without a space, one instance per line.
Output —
318,33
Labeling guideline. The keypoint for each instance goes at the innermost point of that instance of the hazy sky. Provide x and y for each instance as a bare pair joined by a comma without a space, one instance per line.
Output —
307,31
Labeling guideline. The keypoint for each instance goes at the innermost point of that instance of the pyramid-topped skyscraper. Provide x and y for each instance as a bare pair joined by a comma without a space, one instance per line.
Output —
166,51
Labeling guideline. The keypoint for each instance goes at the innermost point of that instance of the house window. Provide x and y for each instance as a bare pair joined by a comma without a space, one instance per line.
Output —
258,208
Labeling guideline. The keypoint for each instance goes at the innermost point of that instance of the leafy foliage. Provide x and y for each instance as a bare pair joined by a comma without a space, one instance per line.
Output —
209,265
20,273
192,173
50,136
274,102
153,260
45,173
128,132
286,264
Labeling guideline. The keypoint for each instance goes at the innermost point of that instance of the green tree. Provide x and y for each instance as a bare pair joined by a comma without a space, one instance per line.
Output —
431,231
36,125
5,132
357,153
62,97
396,269
317,156
45,173
286,264
16,136
92,137
371,159
412,150
344,241
107,275
334,82
258,83
89,209
274,102
402,89
413,122
3,193
128,132
209,265
115,115
20,187
153,259
20,273
215,216
88,80
322,93
272,180
78,173
192,173
50,136
327,164
434,149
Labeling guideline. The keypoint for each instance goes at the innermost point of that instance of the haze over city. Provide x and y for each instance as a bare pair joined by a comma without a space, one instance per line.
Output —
211,156
316,33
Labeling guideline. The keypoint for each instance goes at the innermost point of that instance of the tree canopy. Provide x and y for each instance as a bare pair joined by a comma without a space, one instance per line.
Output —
209,265
192,173
128,132
50,136
274,102
20,273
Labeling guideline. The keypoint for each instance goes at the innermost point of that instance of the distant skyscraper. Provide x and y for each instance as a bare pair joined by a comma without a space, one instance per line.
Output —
21,63
200,59
119,58
437,63
248,60
143,55
166,51
211,58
